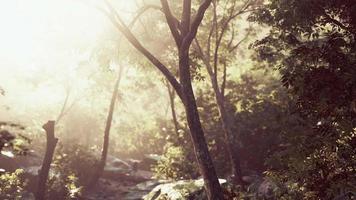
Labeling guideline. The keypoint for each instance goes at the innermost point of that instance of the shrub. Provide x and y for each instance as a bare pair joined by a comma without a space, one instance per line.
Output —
72,168
175,165
12,185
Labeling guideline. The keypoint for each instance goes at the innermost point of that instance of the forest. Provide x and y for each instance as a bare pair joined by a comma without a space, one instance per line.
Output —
178,100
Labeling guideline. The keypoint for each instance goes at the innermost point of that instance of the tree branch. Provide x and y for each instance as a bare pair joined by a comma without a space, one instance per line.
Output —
134,42
234,47
186,14
208,48
173,23
224,28
64,106
187,41
217,41
223,84
336,22
203,57
141,11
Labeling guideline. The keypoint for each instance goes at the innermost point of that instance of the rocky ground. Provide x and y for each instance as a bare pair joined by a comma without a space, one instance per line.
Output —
133,186
124,180
140,186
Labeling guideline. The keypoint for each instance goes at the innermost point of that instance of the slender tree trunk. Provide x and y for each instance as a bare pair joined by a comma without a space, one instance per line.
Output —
174,114
226,119
46,164
64,106
227,124
212,185
105,148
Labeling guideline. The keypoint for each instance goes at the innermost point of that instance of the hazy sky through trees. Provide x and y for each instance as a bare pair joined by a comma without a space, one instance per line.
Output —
43,43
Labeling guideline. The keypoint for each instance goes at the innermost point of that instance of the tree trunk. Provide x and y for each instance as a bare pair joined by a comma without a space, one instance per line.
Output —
174,114
46,164
212,185
229,137
105,148
227,124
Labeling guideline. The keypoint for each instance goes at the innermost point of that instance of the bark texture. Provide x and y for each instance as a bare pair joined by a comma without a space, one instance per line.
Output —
212,185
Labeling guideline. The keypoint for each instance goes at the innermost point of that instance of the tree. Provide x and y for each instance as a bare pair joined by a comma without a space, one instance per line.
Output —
183,32
105,148
216,53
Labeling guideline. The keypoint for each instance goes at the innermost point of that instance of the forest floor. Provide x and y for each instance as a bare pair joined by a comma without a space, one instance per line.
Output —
130,187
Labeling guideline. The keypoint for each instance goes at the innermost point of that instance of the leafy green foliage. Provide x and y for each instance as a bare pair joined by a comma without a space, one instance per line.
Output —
12,185
259,106
312,45
262,106
175,165
315,54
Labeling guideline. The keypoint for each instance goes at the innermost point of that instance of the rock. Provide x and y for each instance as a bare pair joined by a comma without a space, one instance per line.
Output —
154,157
107,190
263,188
116,169
141,190
179,190
267,189
119,175
32,170
116,162
148,161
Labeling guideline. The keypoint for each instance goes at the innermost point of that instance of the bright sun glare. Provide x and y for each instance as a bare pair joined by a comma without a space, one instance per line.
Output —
44,36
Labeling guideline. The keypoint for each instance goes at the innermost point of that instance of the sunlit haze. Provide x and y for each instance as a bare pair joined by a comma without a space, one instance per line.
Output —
42,43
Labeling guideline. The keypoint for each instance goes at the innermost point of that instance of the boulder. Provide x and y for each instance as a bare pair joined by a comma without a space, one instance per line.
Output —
179,190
